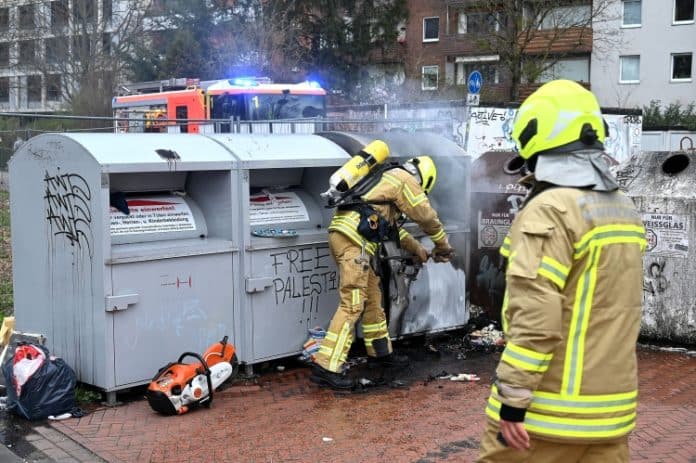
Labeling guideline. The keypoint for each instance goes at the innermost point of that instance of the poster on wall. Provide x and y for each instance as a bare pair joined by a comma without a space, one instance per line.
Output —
624,138
267,208
667,234
489,130
153,214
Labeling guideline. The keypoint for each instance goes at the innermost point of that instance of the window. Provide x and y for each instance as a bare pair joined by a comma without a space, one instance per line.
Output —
487,65
431,29
108,11
34,89
4,19
577,69
429,77
26,16
4,89
56,50
684,11
631,13
82,47
53,89
27,52
630,69
477,23
681,66
59,14
160,7
4,54
182,113
106,43
567,16
84,11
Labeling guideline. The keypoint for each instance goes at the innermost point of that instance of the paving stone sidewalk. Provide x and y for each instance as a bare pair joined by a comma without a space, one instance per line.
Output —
283,418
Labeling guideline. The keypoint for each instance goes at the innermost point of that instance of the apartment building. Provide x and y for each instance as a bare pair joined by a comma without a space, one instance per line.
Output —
653,56
445,38
41,46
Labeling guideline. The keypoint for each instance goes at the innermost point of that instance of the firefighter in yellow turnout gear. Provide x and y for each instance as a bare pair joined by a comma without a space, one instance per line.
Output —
566,387
400,190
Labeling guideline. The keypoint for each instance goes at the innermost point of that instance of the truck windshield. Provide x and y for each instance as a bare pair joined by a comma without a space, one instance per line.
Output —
288,106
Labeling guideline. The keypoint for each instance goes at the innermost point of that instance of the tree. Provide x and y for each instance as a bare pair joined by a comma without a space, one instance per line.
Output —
342,36
532,36
76,49
673,116
181,40
282,39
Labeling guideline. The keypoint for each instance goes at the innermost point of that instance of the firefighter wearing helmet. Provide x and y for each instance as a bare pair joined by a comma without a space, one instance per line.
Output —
566,384
356,230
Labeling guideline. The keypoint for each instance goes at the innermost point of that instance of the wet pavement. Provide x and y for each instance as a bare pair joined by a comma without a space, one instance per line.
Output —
279,416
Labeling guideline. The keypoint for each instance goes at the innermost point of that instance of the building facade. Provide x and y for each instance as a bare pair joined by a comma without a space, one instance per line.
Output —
653,56
46,44
448,39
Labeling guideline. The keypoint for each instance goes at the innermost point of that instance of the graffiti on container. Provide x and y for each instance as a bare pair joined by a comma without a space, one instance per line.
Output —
512,188
632,119
655,281
626,176
303,273
67,198
515,202
175,318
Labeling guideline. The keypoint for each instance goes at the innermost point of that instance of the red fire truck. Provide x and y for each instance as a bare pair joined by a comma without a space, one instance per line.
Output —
191,106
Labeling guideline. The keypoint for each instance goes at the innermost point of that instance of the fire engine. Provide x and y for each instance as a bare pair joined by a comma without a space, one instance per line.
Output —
191,106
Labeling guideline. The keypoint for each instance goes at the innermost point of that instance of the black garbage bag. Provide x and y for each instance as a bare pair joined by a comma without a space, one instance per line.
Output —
38,385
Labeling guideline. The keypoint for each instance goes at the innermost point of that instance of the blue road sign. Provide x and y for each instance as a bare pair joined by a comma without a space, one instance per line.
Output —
475,82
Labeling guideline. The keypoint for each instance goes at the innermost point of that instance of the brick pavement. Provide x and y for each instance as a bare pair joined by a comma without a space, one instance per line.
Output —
285,419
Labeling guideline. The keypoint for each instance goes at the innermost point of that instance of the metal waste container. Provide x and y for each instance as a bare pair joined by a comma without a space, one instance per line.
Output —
290,281
120,295
495,200
130,249
661,185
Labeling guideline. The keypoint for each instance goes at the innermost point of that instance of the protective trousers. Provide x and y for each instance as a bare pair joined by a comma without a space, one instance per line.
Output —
359,294
541,451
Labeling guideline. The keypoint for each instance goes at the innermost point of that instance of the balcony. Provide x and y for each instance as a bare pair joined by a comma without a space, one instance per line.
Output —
574,39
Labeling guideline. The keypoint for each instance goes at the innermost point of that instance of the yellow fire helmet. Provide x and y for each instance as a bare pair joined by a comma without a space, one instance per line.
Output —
426,170
558,113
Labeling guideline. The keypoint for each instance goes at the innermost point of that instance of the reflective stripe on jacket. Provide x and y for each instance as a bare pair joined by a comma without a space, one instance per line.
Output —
397,192
571,315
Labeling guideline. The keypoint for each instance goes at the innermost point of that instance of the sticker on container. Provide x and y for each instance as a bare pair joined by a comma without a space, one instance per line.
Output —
493,227
275,208
667,234
153,214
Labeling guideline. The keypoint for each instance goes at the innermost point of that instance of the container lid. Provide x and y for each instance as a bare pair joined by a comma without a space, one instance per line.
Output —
281,151
145,152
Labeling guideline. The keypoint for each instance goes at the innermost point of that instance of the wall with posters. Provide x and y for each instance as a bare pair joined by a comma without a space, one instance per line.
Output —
479,129
489,129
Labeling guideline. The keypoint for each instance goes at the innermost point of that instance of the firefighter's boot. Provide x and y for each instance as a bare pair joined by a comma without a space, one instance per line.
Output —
324,377
385,358
393,360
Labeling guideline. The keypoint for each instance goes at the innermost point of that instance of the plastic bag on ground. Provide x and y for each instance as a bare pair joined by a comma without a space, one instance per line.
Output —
48,390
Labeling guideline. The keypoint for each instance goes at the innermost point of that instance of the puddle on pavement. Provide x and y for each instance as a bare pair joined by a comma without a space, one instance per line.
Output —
13,432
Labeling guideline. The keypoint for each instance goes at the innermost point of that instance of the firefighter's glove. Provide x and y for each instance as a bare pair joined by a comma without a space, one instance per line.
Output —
422,254
442,253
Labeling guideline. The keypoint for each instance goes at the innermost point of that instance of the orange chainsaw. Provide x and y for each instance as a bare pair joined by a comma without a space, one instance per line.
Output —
179,387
